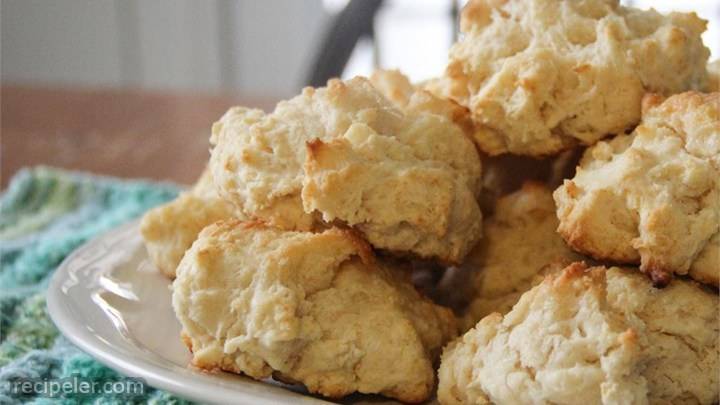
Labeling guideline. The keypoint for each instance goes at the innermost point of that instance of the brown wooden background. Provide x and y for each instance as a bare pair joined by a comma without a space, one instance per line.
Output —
121,133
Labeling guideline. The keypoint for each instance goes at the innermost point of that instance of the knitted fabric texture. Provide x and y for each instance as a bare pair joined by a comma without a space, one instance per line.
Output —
45,214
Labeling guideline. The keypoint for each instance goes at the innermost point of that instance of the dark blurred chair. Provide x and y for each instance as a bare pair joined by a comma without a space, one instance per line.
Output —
353,23
350,25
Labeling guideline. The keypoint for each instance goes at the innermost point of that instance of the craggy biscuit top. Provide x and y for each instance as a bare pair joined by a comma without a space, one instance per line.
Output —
314,308
650,197
261,163
559,344
419,98
590,336
542,75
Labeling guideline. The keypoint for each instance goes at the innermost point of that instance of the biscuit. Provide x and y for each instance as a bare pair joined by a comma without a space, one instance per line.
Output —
170,229
407,179
650,197
590,336
542,75
519,242
312,308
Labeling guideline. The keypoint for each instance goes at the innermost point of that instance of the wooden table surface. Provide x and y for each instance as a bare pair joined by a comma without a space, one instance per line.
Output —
125,133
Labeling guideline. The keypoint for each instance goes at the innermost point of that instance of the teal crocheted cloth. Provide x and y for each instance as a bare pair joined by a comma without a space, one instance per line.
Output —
45,214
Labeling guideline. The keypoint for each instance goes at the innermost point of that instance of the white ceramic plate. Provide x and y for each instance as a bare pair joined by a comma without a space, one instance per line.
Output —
109,300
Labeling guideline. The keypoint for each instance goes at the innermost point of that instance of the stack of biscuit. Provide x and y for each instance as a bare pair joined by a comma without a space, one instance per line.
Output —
587,134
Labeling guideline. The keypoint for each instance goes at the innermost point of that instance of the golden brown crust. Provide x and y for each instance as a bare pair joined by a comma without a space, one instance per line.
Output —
186,341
